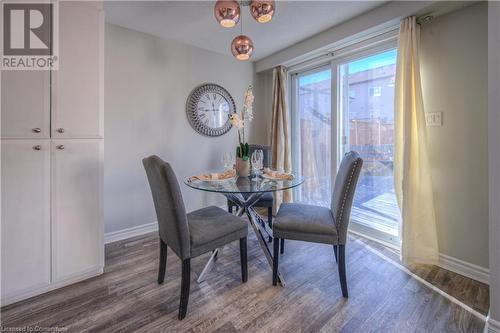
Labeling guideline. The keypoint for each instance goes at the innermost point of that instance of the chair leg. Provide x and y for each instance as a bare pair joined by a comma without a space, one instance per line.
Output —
163,261
335,252
282,246
270,220
276,248
185,284
342,270
243,259
230,208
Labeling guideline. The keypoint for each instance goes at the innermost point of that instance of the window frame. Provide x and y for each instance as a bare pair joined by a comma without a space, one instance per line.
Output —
363,49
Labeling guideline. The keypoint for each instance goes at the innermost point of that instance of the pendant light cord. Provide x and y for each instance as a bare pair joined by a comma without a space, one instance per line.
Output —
241,25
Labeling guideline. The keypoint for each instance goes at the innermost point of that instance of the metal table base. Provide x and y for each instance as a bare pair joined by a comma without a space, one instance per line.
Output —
259,227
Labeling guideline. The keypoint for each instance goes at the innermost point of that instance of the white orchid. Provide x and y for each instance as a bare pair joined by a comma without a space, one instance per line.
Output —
236,121
244,118
249,97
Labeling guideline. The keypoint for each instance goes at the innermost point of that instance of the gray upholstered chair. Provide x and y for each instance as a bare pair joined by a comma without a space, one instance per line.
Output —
267,199
320,224
189,235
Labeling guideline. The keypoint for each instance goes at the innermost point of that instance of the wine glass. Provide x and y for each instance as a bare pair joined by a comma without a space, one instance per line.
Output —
257,162
227,159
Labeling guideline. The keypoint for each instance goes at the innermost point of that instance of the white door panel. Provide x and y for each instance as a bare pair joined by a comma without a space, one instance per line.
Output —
25,104
77,105
25,215
77,229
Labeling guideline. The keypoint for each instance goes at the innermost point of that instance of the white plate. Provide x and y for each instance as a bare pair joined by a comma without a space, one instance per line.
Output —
273,178
219,180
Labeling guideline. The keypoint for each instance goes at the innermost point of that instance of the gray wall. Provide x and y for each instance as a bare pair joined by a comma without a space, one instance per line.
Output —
147,81
454,67
494,158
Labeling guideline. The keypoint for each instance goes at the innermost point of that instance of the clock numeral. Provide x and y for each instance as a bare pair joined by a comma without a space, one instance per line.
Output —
206,121
201,115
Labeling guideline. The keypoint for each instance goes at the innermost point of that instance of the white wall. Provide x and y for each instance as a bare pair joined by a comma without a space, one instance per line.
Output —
263,104
147,81
494,161
454,67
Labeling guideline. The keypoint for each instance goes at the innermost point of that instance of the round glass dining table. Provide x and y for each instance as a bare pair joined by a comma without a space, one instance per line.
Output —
245,192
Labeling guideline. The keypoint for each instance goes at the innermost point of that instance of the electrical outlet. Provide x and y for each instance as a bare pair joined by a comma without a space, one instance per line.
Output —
434,119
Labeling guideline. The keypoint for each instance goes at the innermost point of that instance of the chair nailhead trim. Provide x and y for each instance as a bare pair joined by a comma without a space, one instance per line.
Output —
344,199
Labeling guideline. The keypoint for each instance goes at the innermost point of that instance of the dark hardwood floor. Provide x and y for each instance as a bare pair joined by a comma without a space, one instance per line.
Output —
127,298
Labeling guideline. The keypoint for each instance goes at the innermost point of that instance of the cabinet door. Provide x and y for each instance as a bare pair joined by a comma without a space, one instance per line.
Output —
25,104
25,216
77,217
77,104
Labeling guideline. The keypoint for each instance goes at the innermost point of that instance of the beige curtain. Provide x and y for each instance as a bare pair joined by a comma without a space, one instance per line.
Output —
280,132
411,163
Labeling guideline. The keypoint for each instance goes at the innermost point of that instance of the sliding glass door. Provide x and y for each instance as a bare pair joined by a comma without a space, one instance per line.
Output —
366,114
311,139
358,90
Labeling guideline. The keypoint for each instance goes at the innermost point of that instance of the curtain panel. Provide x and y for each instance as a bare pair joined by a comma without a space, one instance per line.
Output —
412,176
280,132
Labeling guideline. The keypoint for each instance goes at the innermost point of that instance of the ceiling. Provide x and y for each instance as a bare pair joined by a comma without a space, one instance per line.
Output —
193,22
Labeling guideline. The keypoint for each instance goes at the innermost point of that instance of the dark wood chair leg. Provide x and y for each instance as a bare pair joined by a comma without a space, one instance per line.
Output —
342,271
230,208
163,261
243,259
185,284
282,246
276,248
270,220
335,252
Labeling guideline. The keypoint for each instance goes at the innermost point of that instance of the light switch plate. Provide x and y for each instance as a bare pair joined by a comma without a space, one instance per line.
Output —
434,119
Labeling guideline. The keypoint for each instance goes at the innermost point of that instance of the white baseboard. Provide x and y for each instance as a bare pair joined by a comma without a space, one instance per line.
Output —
492,326
464,268
19,296
142,229
458,266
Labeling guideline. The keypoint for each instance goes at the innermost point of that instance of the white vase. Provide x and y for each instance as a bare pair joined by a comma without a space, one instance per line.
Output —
242,167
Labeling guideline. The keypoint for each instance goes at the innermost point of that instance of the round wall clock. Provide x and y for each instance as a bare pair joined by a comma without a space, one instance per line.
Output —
208,108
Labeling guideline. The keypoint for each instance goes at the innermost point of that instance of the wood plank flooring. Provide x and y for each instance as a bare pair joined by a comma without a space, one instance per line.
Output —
126,298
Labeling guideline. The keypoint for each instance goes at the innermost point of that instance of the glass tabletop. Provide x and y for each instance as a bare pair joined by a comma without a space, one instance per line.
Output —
243,184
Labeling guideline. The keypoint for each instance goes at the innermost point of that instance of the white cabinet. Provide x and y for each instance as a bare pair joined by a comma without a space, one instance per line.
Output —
77,102
25,104
77,229
25,216
52,216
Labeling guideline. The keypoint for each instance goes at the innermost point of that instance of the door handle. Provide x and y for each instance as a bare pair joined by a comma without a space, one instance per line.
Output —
37,147
60,130
60,147
36,130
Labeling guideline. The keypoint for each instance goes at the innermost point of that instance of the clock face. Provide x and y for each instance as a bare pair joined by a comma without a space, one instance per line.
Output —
213,109
208,108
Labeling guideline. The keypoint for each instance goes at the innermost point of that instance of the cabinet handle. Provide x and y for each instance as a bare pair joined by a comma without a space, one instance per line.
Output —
37,147
36,130
60,147
60,130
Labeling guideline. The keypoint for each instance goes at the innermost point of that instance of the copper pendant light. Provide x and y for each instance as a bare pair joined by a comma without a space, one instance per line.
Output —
262,10
227,13
242,47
